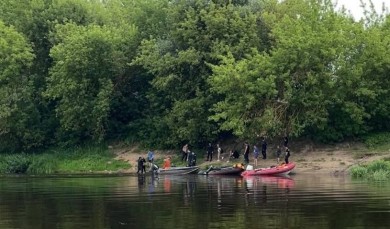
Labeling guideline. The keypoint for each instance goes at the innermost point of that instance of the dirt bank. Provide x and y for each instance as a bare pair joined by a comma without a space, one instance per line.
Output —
335,159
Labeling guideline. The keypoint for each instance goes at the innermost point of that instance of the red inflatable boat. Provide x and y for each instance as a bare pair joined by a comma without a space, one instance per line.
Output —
282,169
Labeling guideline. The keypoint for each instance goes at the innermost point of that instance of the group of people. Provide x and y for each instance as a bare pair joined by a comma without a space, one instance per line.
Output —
141,162
256,152
188,156
210,152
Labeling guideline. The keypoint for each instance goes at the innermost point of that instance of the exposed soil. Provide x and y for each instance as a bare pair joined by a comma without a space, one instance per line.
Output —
309,158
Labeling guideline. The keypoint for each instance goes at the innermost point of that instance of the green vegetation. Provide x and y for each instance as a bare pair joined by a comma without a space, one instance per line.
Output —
80,160
378,141
74,72
377,170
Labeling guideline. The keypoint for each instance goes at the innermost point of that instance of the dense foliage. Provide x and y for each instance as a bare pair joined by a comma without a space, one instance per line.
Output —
164,72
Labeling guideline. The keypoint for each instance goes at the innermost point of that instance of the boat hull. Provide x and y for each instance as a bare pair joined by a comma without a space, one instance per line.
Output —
223,171
283,169
178,170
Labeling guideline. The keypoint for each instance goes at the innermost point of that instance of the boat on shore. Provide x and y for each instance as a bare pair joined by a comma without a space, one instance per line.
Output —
231,170
283,169
178,170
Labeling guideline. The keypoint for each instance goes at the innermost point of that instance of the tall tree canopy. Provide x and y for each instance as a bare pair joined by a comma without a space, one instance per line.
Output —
164,72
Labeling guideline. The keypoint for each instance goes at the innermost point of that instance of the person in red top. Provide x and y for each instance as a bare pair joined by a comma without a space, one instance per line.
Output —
167,163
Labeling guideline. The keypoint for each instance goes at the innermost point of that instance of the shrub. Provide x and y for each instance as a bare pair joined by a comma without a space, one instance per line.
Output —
377,170
358,171
381,175
43,164
378,166
15,163
376,139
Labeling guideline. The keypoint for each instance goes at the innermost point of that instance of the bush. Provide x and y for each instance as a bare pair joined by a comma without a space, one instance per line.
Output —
373,140
15,163
378,166
380,175
43,164
358,171
377,170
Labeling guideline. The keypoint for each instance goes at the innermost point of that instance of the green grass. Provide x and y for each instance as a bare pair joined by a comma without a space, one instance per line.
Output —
376,170
77,160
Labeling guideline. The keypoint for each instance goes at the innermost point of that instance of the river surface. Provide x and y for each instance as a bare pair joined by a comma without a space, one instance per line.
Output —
193,201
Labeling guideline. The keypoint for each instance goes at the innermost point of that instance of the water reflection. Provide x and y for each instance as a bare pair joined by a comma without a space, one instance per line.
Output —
146,201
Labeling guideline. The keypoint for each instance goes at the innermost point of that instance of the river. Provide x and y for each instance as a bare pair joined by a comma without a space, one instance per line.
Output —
193,201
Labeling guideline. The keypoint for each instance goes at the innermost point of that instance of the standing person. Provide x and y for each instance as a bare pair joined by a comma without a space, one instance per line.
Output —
285,141
219,150
255,154
287,155
150,159
246,153
184,151
141,167
210,151
264,148
278,153
167,163
191,159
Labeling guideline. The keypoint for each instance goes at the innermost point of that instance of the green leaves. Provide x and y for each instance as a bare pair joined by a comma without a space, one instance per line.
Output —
86,62
17,111
73,71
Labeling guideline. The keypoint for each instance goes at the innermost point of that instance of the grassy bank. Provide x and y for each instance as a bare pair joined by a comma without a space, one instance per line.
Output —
62,161
376,170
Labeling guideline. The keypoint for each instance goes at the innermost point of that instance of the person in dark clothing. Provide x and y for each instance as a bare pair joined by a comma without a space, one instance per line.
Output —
287,155
210,151
246,153
191,159
141,165
264,149
234,154
285,141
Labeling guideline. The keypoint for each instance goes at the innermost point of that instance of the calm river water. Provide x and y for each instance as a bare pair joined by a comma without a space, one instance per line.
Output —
194,201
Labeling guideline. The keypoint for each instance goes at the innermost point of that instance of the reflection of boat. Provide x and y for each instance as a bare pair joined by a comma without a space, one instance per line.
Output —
223,171
282,169
178,170
280,181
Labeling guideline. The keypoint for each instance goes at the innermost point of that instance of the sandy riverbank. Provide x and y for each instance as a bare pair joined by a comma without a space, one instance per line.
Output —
336,159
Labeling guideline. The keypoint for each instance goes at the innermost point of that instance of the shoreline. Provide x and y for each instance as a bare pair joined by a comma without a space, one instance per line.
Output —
334,160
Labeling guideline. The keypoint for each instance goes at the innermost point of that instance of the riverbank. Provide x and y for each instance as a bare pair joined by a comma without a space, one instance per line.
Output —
119,159
309,158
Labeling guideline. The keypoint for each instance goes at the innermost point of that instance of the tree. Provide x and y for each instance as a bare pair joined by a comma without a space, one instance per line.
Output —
199,33
18,115
81,82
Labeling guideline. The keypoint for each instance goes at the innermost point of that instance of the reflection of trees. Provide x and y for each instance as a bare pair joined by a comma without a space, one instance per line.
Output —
189,202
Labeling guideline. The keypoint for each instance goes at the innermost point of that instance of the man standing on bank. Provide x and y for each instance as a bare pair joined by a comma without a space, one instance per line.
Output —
246,153
285,141
210,151
264,148
287,155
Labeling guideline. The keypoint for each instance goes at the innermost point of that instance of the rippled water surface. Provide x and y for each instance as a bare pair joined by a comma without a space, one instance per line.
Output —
301,201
